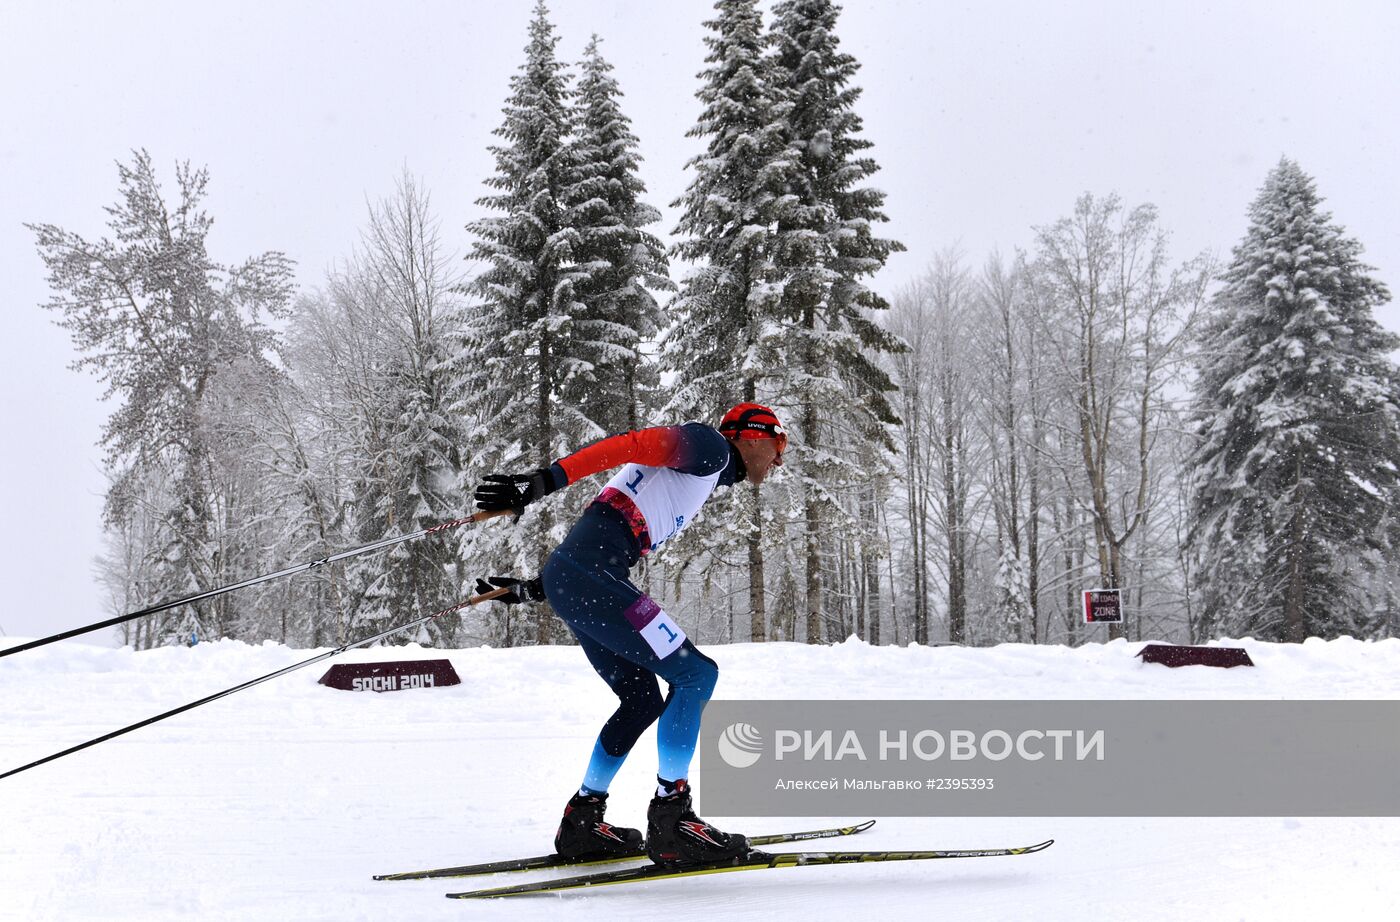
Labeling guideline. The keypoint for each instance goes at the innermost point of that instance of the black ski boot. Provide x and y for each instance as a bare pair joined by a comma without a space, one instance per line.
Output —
676,836
584,834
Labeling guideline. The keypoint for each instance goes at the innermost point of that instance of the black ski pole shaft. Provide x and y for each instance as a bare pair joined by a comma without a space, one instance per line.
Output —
485,597
266,577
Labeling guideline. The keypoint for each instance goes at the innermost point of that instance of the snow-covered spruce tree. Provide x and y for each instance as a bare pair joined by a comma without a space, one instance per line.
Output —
525,344
719,344
717,340
625,262
158,321
825,247
1297,410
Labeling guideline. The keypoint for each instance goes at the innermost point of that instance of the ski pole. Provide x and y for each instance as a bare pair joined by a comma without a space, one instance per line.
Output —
485,597
267,577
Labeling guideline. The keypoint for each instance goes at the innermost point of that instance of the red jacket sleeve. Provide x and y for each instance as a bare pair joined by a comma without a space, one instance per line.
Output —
662,446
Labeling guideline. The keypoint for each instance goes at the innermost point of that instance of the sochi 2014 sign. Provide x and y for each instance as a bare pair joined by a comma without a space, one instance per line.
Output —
1103,606
397,676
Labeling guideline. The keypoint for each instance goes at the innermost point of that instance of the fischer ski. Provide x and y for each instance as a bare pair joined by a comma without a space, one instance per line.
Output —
754,861
557,861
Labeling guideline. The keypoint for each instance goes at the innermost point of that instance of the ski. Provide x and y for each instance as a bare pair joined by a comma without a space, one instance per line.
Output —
754,861
557,861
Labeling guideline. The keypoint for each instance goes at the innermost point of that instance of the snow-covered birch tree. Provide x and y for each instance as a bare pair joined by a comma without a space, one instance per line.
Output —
408,267
911,320
1115,316
365,442
158,321
1014,427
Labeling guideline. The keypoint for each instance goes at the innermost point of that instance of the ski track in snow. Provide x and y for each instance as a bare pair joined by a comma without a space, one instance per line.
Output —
280,802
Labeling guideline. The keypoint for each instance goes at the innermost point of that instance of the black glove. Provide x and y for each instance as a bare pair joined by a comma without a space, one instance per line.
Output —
513,491
525,590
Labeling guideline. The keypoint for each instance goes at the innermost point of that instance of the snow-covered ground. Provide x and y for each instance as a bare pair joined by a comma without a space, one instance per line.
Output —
279,803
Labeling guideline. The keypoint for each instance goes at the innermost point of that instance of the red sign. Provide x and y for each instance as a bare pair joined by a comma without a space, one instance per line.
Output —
397,676
1171,655
1103,606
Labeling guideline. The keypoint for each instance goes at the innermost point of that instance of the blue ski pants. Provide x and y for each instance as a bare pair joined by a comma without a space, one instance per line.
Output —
587,582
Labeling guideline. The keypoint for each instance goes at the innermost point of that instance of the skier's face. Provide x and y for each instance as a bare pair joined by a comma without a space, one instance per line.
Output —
761,456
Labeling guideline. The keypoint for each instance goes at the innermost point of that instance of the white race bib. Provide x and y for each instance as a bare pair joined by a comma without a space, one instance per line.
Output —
657,628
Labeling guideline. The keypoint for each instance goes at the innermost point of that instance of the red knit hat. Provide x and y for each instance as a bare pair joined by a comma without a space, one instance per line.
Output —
753,421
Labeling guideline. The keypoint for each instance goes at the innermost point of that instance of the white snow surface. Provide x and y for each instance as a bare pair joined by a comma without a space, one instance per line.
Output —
280,802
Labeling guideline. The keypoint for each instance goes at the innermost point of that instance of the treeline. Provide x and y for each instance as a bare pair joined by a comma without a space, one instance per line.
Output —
967,456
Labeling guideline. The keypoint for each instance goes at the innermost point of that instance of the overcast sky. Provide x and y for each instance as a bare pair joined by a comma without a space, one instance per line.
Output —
987,118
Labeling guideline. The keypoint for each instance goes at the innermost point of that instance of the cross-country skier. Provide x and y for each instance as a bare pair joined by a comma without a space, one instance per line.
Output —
667,474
